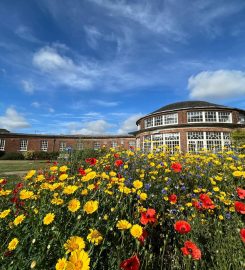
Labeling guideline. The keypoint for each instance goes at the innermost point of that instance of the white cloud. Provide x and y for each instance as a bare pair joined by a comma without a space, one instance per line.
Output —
217,84
51,110
27,86
62,70
35,104
13,120
129,124
105,103
96,127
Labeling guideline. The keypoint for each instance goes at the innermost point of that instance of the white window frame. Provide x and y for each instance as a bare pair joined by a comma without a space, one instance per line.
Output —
149,122
23,144
213,141
211,117
79,146
224,113
193,113
2,144
96,145
44,145
158,120
114,144
62,146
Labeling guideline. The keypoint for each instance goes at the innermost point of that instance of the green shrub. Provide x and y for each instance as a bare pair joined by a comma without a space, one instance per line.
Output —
2,153
13,156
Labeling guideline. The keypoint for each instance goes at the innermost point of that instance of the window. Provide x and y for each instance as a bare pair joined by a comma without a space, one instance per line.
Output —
23,144
171,119
194,117
241,118
158,120
96,146
170,140
210,117
149,122
224,117
122,142
62,146
79,146
2,144
213,141
147,143
44,145
114,144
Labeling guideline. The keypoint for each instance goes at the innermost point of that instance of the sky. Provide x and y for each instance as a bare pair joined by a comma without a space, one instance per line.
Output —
96,66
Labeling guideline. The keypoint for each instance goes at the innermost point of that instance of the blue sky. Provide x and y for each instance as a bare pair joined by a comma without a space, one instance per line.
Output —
96,66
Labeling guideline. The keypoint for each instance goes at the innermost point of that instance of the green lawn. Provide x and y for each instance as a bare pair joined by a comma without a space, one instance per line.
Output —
18,166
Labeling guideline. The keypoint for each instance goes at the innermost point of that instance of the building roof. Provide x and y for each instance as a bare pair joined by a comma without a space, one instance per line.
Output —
189,104
3,131
197,104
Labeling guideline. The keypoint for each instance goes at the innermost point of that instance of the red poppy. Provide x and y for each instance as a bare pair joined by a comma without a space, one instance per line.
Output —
81,171
107,167
197,205
242,234
176,167
116,155
148,217
207,203
132,263
91,161
240,207
240,193
191,249
143,237
118,163
173,198
182,226
55,163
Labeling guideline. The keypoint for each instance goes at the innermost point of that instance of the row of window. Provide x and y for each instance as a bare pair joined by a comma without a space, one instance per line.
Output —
209,117
162,120
192,117
196,141
62,145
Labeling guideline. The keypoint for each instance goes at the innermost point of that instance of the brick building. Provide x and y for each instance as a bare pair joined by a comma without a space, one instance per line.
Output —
190,125
18,142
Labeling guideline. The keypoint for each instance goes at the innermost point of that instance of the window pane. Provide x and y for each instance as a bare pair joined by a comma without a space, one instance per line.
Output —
2,144
44,145
224,117
210,117
193,117
23,145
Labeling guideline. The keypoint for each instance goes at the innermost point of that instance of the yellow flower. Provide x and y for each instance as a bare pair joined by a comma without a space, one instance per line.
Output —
216,189
94,237
70,189
63,177
73,243
40,177
13,244
19,219
63,168
79,260
49,218
73,205
84,192
91,206
143,196
53,168
61,264
30,174
89,176
138,184
26,194
57,201
123,224
237,173
221,217
4,213
136,231
91,187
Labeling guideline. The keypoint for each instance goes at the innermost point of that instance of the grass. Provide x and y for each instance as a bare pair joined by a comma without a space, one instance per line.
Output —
17,166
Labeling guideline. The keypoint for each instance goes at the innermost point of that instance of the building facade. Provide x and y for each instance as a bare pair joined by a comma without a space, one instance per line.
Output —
17,142
186,126
189,126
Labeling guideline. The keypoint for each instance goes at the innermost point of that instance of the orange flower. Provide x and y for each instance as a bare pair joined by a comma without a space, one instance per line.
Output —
191,249
148,217
182,226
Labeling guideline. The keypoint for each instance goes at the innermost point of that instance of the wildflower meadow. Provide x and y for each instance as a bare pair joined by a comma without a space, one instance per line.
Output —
127,210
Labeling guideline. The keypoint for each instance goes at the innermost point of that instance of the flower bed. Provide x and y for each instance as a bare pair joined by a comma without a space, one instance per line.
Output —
127,210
